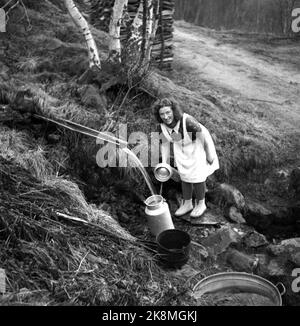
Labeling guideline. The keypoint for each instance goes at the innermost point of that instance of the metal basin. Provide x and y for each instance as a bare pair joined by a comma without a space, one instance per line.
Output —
239,281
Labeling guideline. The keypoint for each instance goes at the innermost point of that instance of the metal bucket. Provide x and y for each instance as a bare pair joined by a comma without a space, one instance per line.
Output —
239,281
173,247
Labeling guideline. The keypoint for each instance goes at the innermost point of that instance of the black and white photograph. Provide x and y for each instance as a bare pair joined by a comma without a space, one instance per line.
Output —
149,156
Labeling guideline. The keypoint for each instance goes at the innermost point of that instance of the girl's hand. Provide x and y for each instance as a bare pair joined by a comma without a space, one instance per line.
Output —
209,148
210,162
209,156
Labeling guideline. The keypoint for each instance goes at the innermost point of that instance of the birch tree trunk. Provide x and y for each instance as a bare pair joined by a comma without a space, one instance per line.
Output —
114,30
136,54
149,23
82,24
136,36
132,51
151,29
143,31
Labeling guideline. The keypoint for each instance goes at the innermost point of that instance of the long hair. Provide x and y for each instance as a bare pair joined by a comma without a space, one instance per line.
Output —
160,103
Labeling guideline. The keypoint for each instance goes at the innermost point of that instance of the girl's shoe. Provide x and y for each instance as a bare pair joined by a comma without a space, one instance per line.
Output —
199,209
185,207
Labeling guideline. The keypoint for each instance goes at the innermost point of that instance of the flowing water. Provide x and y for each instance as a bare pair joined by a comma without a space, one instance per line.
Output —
137,163
134,160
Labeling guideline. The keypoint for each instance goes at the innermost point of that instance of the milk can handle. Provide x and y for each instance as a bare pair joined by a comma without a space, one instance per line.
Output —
283,288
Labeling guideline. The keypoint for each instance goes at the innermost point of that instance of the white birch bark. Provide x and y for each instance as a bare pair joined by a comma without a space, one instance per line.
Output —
82,24
152,25
136,24
115,27
149,22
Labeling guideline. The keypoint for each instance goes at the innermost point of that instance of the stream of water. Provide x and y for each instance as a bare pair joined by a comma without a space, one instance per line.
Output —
134,160
139,165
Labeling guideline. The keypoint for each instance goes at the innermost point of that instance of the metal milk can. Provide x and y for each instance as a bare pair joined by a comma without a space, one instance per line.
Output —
158,214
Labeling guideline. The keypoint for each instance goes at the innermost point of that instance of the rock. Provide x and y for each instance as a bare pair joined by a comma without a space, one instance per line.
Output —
294,182
289,246
227,195
91,96
295,258
219,241
241,262
208,218
263,259
257,215
254,239
287,250
275,250
234,215
276,268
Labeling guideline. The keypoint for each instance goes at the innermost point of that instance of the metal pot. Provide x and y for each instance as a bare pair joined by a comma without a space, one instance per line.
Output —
241,281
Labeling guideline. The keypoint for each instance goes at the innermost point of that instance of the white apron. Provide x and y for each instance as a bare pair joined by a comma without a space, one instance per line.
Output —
190,157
